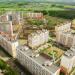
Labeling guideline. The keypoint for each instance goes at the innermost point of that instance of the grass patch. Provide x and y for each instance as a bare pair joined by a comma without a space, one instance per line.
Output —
6,69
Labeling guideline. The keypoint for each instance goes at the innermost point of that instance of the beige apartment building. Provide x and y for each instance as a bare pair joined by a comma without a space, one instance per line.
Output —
38,38
68,60
65,38
6,28
63,27
15,17
34,63
9,46
64,35
33,15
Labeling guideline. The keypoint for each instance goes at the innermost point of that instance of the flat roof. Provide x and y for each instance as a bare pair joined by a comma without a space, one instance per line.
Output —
40,59
69,53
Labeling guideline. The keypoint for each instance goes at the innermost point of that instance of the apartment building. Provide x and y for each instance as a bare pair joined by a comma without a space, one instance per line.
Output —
63,27
34,62
33,15
38,38
11,16
73,23
9,46
6,27
65,38
64,35
61,38
68,60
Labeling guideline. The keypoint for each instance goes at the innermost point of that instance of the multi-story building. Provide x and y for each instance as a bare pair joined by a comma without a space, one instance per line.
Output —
63,28
6,27
11,16
64,35
68,60
38,38
35,63
65,38
73,23
35,15
9,46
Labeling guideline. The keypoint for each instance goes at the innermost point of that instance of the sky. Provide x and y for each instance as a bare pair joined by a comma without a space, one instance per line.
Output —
41,0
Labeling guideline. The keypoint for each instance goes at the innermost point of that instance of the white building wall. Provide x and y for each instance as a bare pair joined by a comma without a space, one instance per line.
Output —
10,47
38,38
34,67
64,27
67,63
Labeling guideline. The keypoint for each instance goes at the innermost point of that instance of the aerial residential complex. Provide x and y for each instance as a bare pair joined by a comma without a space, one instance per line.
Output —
34,62
39,55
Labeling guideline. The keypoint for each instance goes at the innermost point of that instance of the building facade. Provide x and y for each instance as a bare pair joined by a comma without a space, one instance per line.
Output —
63,28
34,64
68,60
9,46
14,17
33,15
6,27
38,38
64,35
65,38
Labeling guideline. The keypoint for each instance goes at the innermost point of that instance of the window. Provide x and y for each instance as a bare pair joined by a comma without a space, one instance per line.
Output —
10,18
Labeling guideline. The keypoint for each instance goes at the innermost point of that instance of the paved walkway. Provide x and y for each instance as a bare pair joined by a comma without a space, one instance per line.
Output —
4,58
1,72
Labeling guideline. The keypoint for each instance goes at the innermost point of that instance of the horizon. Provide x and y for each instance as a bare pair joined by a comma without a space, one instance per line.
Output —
62,1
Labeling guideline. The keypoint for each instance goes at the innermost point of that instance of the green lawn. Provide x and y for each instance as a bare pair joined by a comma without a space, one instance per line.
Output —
6,69
33,6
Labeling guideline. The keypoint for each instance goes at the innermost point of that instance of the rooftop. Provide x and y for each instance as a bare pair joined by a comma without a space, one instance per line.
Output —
67,22
69,33
39,59
38,32
69,53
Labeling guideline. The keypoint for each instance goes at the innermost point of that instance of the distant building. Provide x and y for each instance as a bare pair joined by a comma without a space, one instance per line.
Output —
65,38
63,28
9,46
38,38
34,62
34,15
68,60
64,35
14,17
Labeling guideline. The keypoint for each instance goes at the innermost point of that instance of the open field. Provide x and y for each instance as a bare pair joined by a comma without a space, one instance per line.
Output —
32,6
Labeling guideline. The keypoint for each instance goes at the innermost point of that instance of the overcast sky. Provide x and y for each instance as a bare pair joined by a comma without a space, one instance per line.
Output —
43,0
